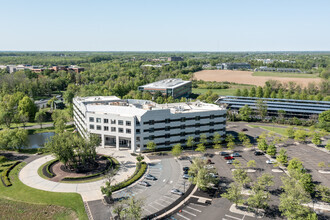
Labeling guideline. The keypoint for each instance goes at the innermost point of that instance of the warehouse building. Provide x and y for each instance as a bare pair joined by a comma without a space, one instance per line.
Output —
292,107
169,87
131,124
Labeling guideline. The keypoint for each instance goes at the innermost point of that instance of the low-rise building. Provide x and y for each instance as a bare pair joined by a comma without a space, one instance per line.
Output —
233,66
272,69
169,87
131,124
175,59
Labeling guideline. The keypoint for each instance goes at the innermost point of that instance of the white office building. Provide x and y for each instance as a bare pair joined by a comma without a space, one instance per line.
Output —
131,124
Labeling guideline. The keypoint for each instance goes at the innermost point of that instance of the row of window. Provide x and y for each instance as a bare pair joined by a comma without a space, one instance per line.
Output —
167,128
113,129
112,121
182,134
183,119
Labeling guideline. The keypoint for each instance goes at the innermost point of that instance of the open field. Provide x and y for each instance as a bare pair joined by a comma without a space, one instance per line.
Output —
22,193
246,77
290,75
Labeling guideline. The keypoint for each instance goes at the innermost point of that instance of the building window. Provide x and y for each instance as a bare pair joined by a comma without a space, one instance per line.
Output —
197,125
137,138
137,131
167,120
211,123
137,122
106,128
167,143
151,137
120,130
167,128
211,116
98,120
151,130
151,122
183,119
105,121
91,126
113,121
167,135
183,126
182,134
91,119
128,131
113,129
197,132
98,127
120,122
197,118
128,123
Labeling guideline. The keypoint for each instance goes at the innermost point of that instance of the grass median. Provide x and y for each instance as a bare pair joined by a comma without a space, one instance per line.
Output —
22,193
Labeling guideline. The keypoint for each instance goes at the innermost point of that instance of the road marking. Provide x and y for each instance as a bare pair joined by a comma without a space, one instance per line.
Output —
170,197
147,210
183,216
171,182
153,207
165,200
198,205
189,212
160,204
194,209
233,217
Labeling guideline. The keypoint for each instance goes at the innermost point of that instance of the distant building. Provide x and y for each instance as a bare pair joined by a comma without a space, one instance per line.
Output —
169,87
272,69
233,66
39,69
292,107
175,59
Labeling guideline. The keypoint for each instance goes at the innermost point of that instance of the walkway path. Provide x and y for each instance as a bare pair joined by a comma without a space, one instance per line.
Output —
89,191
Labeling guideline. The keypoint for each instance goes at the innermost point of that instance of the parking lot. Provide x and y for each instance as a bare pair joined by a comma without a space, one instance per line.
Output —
158,195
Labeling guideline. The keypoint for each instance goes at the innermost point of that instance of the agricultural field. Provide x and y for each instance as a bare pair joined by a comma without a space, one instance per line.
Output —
246,77
290,75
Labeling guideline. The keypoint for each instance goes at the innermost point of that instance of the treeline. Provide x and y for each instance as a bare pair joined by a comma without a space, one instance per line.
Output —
276,89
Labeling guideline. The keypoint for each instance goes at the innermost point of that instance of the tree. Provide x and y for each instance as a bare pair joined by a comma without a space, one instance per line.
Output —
245,113
241,136
23,118
200,175
252,92
176,150
245,93
139,158
59,126
107,189
241,177
295,164
259,92
262,144
247,143
271,150
119,209
151,146
323,192
261,109
234,193
201,148
300,135
27,106
258,199
316,139
134,208
190,142
324,116
238,92
264,182
13,139
289,131
203,139
40,117
251,163
282,157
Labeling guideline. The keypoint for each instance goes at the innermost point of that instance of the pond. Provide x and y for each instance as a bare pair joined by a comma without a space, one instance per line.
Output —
38,140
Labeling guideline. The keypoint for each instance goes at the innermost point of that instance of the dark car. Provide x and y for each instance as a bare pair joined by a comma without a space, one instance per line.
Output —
257,153
224,154
185,172
144,183
229,158
185,168
244,129
210,161
150,177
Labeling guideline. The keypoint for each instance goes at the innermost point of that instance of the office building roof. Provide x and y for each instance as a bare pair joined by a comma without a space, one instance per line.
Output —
166,83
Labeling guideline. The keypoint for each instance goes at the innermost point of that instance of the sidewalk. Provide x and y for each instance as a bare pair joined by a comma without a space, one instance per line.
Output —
89,191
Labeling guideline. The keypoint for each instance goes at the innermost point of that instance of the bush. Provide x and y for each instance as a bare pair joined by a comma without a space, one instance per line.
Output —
5,174
3,159
46,170
140,170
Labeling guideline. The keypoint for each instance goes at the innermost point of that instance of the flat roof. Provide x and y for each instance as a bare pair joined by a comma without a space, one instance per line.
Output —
166,83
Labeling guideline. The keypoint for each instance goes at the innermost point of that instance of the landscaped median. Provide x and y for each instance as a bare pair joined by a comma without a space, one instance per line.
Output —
5,173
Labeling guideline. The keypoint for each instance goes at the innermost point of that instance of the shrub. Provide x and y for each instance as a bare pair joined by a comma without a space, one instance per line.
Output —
140,170
48,166
3,159
5,174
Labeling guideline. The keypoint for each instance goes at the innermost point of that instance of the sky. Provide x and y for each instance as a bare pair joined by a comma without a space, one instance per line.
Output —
171,25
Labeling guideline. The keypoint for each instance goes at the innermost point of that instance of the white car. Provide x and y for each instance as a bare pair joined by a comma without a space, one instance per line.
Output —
270,161
185,176
176,191
230,161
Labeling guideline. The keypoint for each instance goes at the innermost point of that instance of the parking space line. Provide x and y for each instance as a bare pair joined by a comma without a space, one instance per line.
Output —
229,216
189,212
153,207
147,210
197,205
170,197
160,204
165,200
194,209
183,216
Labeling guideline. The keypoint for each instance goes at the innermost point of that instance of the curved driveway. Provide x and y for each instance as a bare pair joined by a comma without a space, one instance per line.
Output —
89,191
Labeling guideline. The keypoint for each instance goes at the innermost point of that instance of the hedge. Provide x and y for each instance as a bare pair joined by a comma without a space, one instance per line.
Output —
46,170
78,178
5,174
139,171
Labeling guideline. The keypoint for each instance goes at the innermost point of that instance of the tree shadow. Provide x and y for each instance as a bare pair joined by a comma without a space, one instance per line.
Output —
276,192
273,212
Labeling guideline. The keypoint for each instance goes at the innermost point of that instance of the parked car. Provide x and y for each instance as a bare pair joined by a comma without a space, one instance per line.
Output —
229,158
150,177
230,161
244,129
176,191
209,161
208,166
257,153
235,155
185,168
224,154
144,183
270,161
185,176
185,172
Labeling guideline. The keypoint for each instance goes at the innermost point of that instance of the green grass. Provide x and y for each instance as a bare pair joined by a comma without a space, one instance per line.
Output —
15,125
280,74
22,193
229,91
49,129
280,131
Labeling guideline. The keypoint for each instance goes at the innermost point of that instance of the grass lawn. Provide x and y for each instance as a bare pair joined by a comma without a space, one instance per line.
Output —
22,193
277,130
280,74
229,91
15,125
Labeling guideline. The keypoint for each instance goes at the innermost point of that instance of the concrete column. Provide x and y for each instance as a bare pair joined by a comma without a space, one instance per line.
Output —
102,140
133,145
117,142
